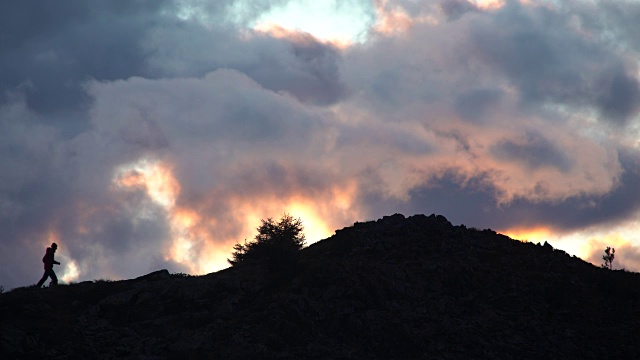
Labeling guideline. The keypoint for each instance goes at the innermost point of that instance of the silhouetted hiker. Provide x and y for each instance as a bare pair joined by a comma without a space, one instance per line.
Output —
48,261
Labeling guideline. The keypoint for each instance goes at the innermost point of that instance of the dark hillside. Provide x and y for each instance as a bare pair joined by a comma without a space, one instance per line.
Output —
396,288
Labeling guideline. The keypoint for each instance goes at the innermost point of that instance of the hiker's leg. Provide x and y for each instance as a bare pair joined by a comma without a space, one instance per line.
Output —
54,278
44,278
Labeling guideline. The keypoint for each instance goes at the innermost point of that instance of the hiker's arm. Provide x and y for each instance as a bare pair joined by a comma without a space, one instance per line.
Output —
55,262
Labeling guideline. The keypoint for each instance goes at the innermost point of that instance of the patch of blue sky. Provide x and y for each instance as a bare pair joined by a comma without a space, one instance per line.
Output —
330,20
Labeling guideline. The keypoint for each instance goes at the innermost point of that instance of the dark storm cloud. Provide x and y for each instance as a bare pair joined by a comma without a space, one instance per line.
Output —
541,53
533,150
297,64
620,96
315,73
53,47
476,105
224,107
611,21
462,201
472,202
453,9
618,205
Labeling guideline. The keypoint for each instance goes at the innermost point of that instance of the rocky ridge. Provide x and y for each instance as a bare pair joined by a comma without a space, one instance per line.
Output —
395,288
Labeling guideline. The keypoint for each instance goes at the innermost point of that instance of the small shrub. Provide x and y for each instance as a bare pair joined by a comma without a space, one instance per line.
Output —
180,275
103,281
609,255
1,289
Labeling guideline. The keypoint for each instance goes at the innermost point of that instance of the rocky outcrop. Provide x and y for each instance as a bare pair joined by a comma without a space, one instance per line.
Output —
396,288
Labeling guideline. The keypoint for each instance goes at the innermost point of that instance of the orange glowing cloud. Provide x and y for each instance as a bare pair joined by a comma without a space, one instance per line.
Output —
191,243
320,214
395,20
52,237
71,271
391,20
489,4
203,243
187,235
300,37
155,177
160,184
132,179
84,212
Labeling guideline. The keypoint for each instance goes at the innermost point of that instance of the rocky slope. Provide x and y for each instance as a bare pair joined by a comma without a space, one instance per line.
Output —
396,288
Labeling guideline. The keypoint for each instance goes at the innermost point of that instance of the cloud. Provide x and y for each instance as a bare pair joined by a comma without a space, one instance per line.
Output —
146,134
532,150
293,63
454,9
55,47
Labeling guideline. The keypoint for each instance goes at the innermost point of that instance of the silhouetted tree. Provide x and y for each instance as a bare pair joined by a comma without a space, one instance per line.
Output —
276,243
609,254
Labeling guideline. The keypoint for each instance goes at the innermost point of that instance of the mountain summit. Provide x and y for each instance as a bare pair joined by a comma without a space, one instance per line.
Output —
395,288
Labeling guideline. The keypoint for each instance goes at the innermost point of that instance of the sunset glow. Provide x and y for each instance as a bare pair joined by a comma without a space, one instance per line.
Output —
276,30
533,235
188,242
156,178
161,148
192,243
588,245
52,237
71,272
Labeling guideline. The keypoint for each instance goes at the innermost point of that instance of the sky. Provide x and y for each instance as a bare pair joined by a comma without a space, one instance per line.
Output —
146,135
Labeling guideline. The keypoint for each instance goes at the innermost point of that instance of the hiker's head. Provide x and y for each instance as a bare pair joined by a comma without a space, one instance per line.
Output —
54,246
